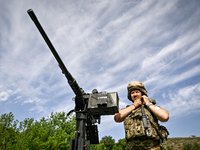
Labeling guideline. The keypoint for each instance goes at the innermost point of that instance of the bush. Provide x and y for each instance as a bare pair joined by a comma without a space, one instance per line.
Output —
54,132
189,146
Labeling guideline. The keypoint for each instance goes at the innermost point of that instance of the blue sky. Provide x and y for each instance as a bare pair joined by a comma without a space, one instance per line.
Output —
105,45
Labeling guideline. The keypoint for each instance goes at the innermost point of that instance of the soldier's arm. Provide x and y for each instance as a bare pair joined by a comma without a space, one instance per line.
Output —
119,117
160,113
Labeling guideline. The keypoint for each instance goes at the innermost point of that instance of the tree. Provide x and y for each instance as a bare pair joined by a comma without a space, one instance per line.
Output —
122,143
53,132
8,129
108,141
117,147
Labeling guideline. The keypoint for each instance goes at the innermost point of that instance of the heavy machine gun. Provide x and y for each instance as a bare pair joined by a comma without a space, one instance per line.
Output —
89,107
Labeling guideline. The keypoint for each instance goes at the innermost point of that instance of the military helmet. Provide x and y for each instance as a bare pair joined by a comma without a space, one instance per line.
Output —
136,85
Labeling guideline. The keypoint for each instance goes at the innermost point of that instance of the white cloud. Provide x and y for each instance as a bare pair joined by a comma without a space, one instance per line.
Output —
4,96
183,101
38,105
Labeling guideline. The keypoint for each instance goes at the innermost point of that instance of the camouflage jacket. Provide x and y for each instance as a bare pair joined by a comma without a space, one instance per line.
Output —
134,128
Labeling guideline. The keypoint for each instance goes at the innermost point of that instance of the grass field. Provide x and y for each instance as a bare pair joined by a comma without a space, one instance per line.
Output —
180,143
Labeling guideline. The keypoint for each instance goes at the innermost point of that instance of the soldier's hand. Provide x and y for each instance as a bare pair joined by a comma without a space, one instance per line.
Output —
137,103
145,100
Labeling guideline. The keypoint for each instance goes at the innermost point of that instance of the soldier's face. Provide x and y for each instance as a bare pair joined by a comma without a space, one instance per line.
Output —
136,94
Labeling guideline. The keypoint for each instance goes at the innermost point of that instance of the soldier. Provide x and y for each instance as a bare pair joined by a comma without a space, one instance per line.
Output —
141,136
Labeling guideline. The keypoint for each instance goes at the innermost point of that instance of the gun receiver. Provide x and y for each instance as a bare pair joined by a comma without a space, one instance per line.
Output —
88,106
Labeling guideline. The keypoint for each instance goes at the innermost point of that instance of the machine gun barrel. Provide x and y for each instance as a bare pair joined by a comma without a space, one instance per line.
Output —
72,82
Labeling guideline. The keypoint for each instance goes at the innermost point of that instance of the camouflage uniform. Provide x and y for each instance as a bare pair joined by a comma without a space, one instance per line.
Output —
136,136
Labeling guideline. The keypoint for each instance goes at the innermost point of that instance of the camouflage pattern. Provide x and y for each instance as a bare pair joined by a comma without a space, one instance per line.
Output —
140,144
134,126
135,134
136,85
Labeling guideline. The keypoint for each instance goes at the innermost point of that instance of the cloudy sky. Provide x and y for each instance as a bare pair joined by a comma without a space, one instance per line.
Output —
105,45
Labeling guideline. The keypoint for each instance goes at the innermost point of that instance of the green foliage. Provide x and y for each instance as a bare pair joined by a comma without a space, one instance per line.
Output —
54,132
108,141
102,146
182,143
8,128
194,146
169,148
193,136
93,147
117,147
122,143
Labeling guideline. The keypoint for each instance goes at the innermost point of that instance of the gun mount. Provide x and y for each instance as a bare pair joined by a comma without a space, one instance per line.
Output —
88,106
